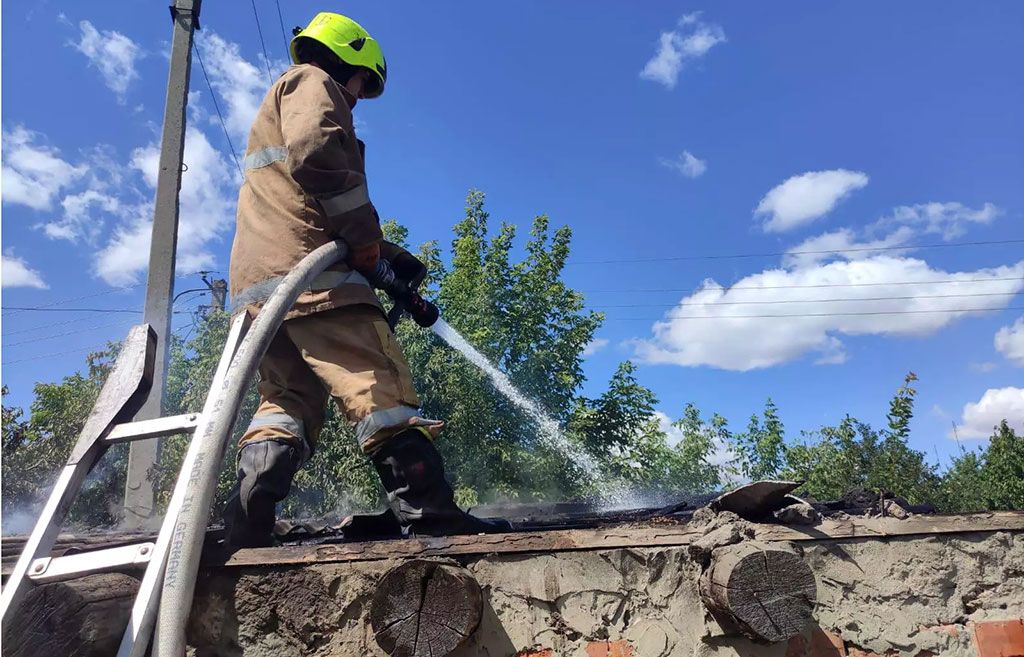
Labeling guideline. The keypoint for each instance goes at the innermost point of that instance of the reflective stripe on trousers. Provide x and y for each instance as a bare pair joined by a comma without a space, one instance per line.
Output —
327,280
293,425
385,418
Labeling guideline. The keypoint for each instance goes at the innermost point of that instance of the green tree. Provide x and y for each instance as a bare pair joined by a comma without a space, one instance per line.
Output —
853,455
761,449
35,450
1003,471
987,479
521,316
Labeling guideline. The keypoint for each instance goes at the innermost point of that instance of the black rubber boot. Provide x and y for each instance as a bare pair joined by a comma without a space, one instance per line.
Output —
265,471
412,472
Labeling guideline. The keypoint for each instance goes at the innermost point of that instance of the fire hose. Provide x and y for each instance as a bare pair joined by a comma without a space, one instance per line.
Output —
190,528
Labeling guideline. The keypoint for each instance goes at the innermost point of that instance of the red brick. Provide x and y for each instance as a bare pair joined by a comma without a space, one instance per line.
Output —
797,647
1000,638
543,652
951,630
609,649
821,644
826,644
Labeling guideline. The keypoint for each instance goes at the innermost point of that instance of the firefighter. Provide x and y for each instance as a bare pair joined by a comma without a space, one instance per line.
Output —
305,185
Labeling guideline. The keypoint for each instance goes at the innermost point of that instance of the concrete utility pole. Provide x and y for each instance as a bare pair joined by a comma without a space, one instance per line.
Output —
139,493
219,293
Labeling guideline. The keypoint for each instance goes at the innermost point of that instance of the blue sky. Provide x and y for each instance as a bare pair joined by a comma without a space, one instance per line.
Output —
663,133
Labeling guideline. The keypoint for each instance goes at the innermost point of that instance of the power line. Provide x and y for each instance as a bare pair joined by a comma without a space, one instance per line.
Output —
259,30
78,310
216,106
64,334
59,353
64,353
33,329
733,256
774,301
78,331
284,34
84,310
80,350
15,309
843,314
728,288
58,302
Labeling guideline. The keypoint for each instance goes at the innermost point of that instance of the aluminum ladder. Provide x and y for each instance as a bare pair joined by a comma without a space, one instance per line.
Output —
179,543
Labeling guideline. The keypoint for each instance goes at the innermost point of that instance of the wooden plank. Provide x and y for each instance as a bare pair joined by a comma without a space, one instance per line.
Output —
654,534
649,535
855,527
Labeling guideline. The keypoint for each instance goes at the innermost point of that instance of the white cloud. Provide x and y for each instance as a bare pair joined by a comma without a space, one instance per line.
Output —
1009,341
594,346
828,246
687,165
207,211
905,223
691,40
100,195
801,199
113,54
108,206
239,83
15,272
34,173
983,367
80,220
720,336
949,220
997,404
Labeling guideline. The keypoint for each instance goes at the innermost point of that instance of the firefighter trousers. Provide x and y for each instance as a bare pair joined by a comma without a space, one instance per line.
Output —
347,353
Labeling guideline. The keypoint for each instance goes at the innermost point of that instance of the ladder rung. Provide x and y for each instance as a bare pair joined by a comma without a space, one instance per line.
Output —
159,427
49,569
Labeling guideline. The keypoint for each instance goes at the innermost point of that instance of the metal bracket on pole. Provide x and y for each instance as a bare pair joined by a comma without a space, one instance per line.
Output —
187,7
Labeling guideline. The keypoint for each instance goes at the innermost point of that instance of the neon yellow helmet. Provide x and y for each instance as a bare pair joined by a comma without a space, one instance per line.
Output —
351,43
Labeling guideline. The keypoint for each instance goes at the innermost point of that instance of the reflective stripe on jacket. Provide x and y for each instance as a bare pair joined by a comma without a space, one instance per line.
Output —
305,185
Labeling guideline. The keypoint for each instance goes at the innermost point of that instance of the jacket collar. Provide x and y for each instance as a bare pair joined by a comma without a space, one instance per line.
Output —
350,100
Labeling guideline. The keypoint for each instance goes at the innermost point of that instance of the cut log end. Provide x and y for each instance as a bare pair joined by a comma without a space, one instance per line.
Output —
425,609
83,617
765,592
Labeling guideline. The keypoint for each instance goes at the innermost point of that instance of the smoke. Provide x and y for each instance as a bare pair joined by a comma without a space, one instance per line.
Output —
19,521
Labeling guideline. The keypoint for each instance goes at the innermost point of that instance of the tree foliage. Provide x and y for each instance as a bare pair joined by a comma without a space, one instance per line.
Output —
519,312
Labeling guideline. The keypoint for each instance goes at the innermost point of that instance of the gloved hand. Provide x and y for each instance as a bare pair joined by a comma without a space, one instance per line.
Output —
364,259
406,266
409,268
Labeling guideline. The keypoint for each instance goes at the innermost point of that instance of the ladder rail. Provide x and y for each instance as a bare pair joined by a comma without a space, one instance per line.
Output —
44,533
135,640
210,441
122,394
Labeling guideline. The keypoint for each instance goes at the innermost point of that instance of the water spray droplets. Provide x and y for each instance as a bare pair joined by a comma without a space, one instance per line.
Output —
550,433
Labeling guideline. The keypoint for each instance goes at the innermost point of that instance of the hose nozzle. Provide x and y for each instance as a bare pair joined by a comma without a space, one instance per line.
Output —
407,299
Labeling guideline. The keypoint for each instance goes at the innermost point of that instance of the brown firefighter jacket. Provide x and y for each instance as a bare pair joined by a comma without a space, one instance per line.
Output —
305,185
